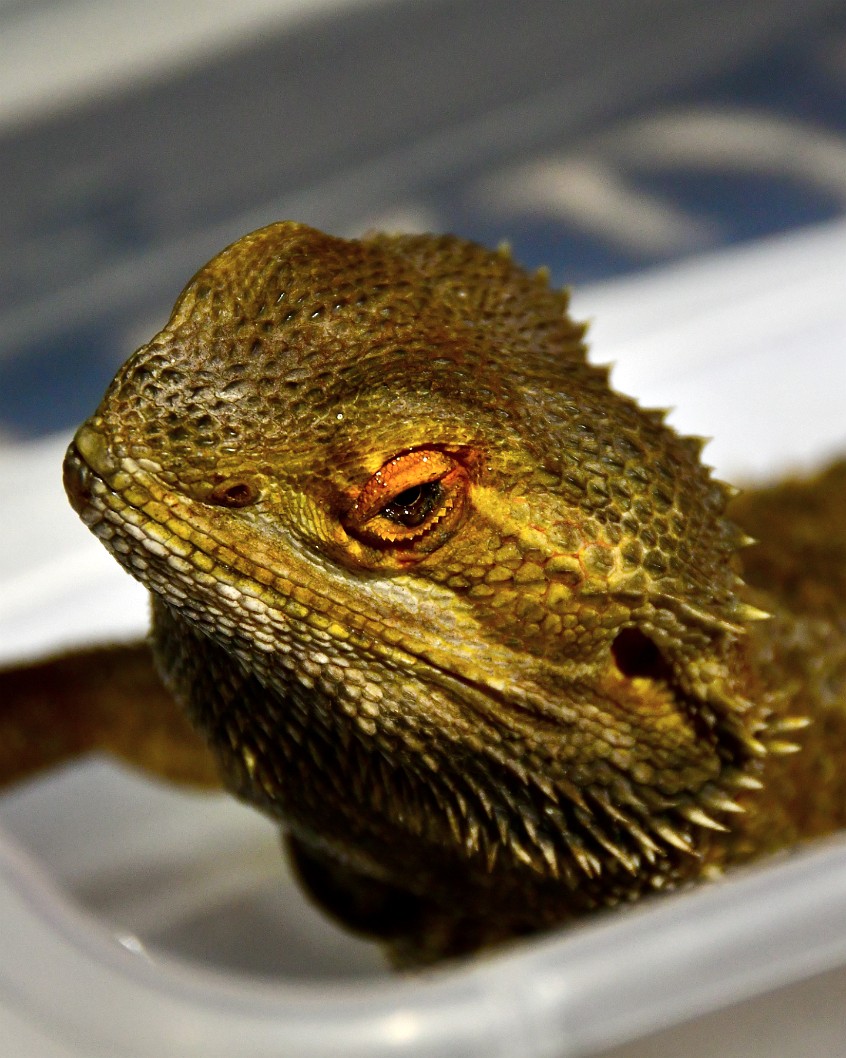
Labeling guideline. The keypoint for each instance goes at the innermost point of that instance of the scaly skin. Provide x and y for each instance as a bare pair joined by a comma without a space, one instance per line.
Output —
469,623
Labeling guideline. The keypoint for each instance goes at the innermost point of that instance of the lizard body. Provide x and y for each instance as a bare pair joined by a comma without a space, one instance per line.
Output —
468,622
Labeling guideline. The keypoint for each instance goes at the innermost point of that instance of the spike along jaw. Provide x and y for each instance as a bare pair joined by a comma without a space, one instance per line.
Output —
382,478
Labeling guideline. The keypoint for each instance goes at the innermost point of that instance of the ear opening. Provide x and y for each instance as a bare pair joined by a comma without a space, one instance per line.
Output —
635,654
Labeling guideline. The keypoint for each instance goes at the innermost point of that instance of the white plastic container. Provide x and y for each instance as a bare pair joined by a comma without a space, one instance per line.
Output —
102,989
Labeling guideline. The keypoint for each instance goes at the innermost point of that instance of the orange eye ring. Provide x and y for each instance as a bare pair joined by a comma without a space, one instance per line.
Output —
413,501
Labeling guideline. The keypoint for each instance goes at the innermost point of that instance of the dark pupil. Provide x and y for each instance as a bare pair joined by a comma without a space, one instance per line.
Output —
412,506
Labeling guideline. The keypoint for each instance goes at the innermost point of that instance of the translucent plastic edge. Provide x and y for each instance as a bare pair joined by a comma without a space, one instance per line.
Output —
571,994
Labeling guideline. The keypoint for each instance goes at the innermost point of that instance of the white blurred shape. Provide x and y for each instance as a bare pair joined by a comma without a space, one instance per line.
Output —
594,196
751,141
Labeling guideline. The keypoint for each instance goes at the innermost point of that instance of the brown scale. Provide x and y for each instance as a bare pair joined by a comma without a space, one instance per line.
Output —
467,622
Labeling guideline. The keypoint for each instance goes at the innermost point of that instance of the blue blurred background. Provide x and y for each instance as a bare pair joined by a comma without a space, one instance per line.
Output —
596,137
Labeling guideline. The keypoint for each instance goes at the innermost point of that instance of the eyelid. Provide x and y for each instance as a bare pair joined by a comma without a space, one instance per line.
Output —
400,473
370,522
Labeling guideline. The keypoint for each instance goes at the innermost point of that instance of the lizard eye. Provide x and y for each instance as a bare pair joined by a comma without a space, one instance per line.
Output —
414,500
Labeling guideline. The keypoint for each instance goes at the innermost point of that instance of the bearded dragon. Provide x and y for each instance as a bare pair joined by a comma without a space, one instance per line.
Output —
469,623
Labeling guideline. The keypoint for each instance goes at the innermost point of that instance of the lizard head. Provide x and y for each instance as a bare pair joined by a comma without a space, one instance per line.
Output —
382,476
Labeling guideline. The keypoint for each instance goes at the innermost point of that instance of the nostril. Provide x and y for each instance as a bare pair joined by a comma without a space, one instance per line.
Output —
635,654
233,493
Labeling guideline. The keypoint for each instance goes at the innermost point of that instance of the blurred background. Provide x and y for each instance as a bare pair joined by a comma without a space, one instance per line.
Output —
600,138
680,163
